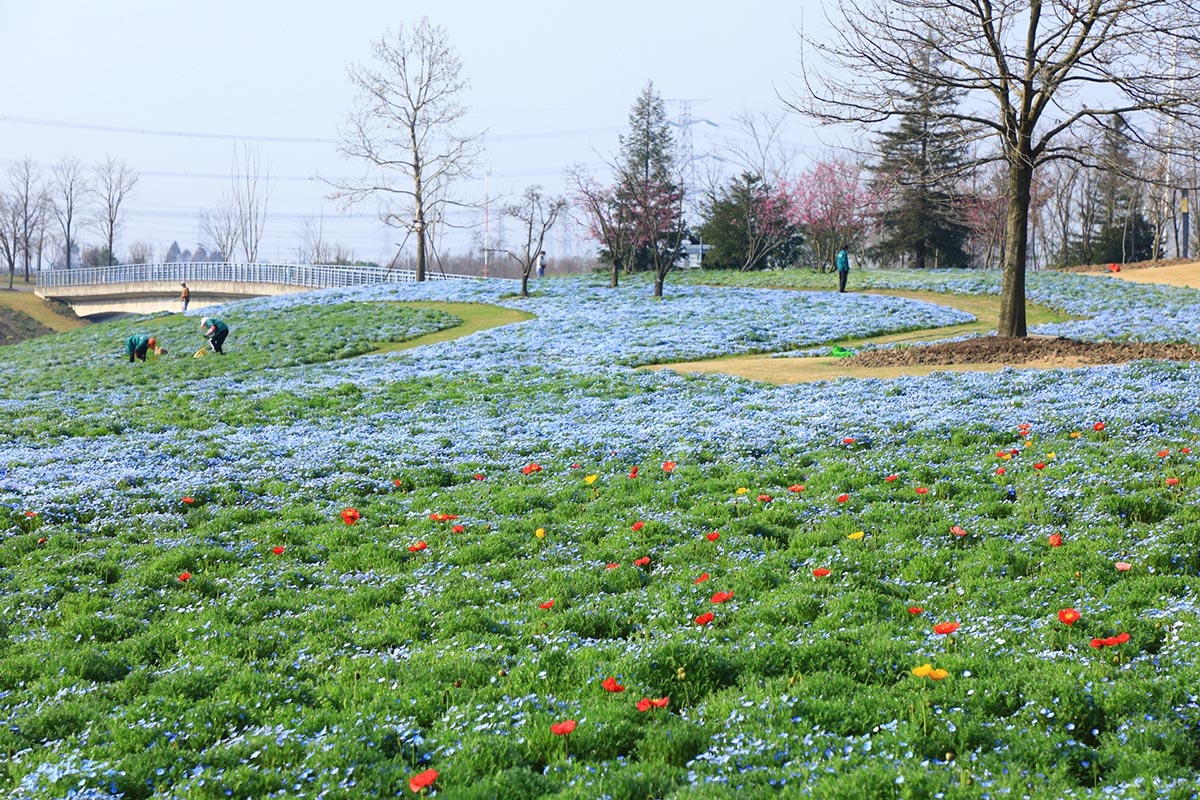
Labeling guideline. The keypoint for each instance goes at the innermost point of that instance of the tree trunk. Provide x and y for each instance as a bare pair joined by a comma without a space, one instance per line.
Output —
658,284
420,250
1012,293
525,283
612,284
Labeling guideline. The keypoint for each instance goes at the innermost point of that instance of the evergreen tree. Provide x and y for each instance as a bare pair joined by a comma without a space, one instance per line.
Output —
648,150
920,161
747,226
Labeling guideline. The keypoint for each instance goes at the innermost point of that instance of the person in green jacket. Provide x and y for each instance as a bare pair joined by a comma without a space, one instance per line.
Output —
843,267
139,344
216,331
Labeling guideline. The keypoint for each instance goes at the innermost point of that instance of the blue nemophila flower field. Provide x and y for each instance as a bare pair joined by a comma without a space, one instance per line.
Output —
322,566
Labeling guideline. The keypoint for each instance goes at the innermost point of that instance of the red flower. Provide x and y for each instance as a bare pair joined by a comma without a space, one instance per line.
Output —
184,577
546,605
1000,470
479,476
397,483
187,500
892,478
668,466
1164,453
820,572
41,540
958,531
646,703
350,516
843,497
1172,481
1039,466
1055,540
1099,426
701,578
721,597
637,526
458,529
848,440
764,498
422,780
610,685
277,550
1068,616
660,702
633,472
945,627
705,618
1110,641
612,565
531,468
643,705
443,517
914,610
1122,566
641,562
418,547
562,728
796,487
712,537
1185,450
921,490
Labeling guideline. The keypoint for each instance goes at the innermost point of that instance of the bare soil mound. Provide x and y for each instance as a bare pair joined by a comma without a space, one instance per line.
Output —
1035,349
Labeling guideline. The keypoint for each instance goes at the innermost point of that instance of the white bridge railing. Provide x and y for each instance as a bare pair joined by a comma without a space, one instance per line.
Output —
310,276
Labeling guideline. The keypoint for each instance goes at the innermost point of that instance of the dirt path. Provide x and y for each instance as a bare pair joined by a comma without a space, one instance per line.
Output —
1186,274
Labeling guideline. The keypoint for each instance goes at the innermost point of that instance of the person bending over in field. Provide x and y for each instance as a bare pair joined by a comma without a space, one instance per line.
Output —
216,331
139,344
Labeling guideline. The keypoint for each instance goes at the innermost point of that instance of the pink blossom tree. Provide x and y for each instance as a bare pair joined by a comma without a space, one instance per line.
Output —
834,206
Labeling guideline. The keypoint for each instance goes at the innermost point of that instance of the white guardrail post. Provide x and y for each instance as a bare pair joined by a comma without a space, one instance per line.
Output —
310,276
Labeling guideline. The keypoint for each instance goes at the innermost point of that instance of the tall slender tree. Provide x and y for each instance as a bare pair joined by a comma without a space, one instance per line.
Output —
67,192
114,182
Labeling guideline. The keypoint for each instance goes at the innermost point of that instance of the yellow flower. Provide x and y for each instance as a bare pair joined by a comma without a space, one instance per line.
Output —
742,490
1075,434
938,674
922,671
540,533
589,479
1049,456
856,536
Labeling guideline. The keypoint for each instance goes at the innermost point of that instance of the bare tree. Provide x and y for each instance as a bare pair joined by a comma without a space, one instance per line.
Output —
28,202
1031,72
140,252
114,182
223,226
605,212
10,235
68,187
535,213
404,124
251,192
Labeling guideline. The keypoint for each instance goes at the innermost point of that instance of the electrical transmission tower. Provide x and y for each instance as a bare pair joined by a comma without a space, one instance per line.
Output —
684,121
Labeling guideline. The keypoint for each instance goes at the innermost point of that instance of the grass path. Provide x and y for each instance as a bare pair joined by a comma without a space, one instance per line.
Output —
475,317
985,308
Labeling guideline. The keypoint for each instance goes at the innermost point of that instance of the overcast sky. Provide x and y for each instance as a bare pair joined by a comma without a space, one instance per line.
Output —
172,88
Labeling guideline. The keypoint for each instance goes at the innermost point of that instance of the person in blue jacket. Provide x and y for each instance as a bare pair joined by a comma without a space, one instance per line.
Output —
216,331
138,345
843,268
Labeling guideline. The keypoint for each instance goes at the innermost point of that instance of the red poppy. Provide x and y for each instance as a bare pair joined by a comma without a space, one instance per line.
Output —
701,578
1164,453
721,597
187,500
1172,481
921,490
612,565
277,550
958,531
764,498
892,478
945,627
914,610
184,577
820,572
422,780
443,517
562,728
633,473
1068,616
705,618
637,526
641,562
350,516
610,685
397,483
1099,426
1039,466
531,468
1000,470
1185,450
576,466
848,440
668,466
661,702
546,605
479,476
1122,566
643,705
796,487
1055,539
41,540
418,547
843,497
712,537
458,529
1110,641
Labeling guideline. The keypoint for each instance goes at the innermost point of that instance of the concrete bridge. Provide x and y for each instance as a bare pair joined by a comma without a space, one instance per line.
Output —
150,288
